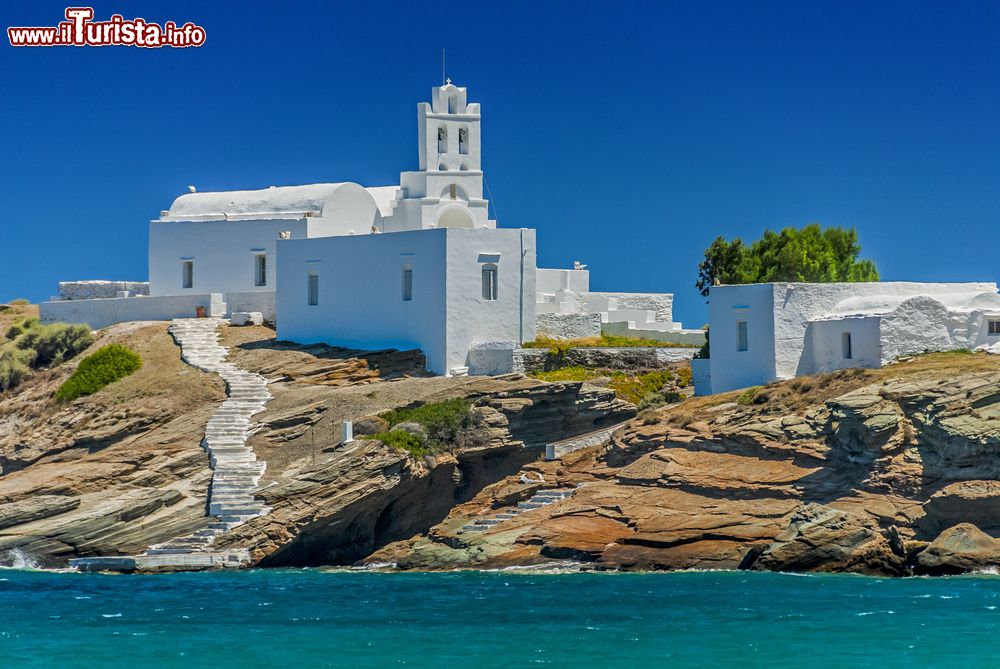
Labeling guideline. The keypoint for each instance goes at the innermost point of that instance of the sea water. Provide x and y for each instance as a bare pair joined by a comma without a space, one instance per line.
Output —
315,618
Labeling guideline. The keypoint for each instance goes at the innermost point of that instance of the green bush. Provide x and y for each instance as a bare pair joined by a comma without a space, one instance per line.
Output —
102,367
748,396
400,439
635,388
448,424
14,367
659,399
54,343
19,327
571,373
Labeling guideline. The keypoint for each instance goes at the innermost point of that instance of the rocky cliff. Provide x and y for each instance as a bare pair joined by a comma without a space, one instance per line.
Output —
121,470
894,471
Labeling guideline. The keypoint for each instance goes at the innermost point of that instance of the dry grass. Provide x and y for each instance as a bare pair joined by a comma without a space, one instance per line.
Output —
11,312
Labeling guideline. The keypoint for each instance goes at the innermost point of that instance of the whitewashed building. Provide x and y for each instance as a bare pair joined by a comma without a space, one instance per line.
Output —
415,265
765,332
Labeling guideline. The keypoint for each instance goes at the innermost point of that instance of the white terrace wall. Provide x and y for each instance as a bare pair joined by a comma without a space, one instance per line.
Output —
568,326
101,313
252,301
661,304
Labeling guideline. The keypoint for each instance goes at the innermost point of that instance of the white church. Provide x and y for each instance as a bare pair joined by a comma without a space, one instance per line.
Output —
418,265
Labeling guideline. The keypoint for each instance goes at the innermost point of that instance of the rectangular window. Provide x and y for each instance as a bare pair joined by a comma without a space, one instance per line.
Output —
187,274
741,336
994,327
260,270
846,344
407,284
313,289
489,282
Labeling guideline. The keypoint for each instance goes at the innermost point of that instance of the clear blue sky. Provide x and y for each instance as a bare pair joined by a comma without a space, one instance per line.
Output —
628,134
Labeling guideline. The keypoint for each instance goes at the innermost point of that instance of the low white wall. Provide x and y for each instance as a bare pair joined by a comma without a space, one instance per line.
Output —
262,302
89,290
568,326
104,312
692,337
492,358
551,281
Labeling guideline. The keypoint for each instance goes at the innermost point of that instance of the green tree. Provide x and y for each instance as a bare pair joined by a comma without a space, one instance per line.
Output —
810,254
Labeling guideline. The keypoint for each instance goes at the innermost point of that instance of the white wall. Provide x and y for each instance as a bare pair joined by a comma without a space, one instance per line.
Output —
568,326
551,281
101,313
471,320
824,349
252,301
360,292
222,251
731,369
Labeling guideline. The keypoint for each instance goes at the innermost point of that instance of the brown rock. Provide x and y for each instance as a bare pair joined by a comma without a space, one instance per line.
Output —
959,549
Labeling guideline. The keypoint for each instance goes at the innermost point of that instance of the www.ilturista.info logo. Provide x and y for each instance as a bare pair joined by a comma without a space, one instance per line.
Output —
79,29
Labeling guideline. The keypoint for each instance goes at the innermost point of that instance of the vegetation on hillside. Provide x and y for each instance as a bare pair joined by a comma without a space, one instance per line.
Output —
29,345
431,428
99,369
644,389
560,346
811,254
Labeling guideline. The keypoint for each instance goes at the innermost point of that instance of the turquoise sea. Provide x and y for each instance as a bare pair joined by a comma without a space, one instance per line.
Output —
314,618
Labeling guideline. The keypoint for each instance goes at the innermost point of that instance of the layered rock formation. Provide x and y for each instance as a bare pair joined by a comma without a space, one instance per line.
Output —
855,471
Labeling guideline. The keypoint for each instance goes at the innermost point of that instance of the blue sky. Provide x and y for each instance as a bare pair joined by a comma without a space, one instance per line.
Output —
628,134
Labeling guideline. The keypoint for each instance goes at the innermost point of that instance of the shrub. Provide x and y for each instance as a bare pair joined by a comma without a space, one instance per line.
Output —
19,302
447,424
14,367
55,342
400,439
19,327
102,367
659,399
571,373
747,397
635,388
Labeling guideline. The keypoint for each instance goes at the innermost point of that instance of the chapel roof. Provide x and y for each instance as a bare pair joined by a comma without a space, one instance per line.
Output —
281,201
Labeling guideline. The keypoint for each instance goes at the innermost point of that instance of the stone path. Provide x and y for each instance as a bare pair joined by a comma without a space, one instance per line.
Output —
236,469
537,501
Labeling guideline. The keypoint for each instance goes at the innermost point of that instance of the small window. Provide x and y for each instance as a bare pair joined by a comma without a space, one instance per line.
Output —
845,340
463,140
187,274
407,284
442,140
994,327
313,289
260,270
741,336
489,282
454,191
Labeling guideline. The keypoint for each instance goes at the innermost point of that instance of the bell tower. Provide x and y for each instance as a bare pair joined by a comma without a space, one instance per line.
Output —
449,131
447,190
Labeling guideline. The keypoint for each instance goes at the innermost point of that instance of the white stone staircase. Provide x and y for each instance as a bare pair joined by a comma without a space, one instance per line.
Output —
537,501
236,469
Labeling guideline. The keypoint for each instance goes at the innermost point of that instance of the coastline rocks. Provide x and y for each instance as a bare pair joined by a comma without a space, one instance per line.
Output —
820,538
959,549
